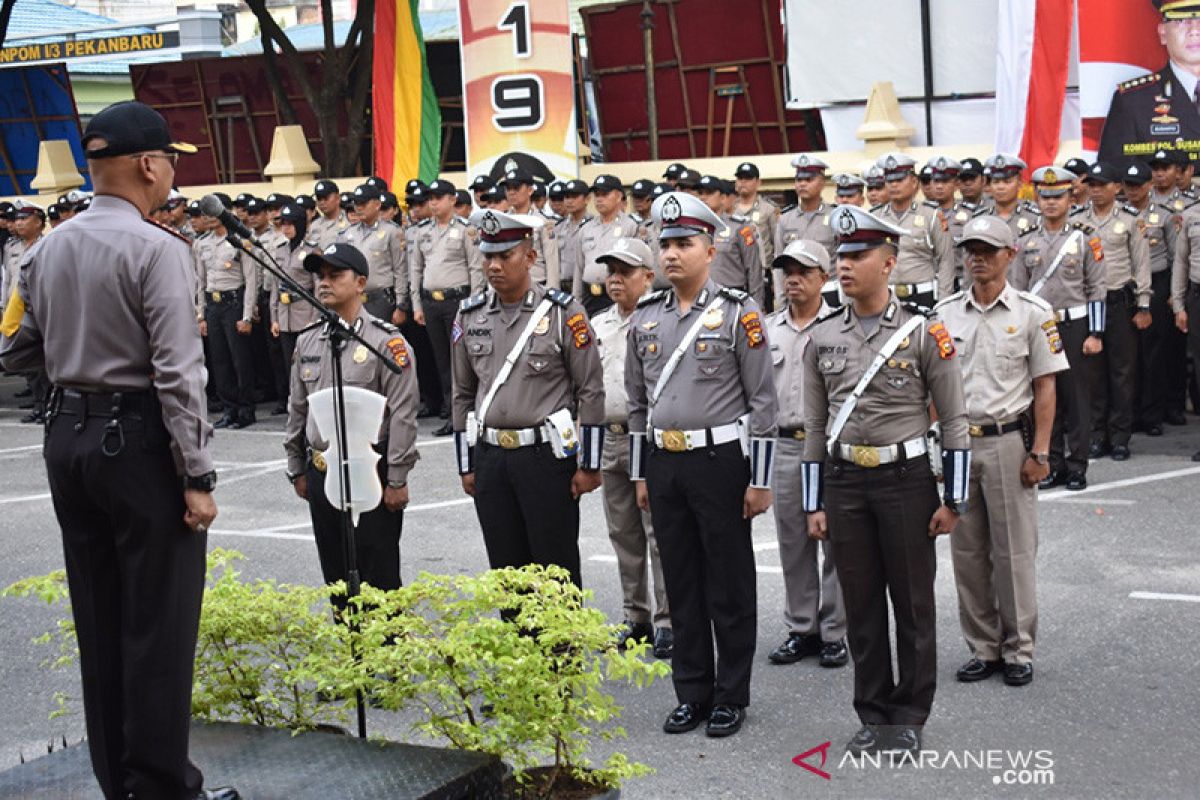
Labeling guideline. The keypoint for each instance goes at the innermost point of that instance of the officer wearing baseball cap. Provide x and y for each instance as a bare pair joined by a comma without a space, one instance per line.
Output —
382,243
672,173
566,231
702,443
518,450
757,208
809,219
639,193
688,181
596,235
330,218
971,182
866,478
289,314
1166,166
1061,261
925,265
1010,414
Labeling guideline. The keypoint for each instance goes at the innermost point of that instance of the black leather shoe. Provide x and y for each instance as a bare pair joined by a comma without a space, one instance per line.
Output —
1076,482
1153,430
1120,452
279,410
445,430
33,417
27,392
725,720
978,670
243,422
1175,417
686,717
425,412
224,422
904,739
664,642
220,793
1018,674
797,646
865,741
635,630
1098,450
834,654
1055,478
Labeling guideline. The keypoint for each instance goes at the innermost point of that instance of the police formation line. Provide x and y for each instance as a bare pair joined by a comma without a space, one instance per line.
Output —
920,355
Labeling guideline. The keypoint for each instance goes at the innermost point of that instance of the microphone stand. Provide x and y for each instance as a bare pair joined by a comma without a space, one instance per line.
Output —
339,334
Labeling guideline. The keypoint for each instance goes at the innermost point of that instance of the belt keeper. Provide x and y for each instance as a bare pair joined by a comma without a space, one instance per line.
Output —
113,428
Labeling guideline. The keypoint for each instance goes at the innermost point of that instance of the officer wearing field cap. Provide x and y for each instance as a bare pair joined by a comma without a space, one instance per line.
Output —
702,412
1004,180
849,189
596,235
876,186
943,181
383,244
1062,262
971,181
810,218
924,267
1009,351
870,371
813,612
672,173
528,403
737,263
340,273
630,265
1127,266
330,219
447,268
1166,166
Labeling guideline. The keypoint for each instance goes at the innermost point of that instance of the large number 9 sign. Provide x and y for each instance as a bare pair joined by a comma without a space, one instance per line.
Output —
518,100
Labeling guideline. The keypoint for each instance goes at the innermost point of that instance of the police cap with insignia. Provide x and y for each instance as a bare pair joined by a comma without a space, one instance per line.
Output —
1003,165
1103,172
988,229
660,189
278,200
256,206
130,127
1052,181
1164,157
462,198
441,188
306,202
517,177
193,209
970,168
420,195
709,183
29,210
641,188
680,215
926,174
944,168
481,183
389,200
6,210
54,213
324,188
242,200
803,253
346,200
539,190
555,190
809,166
380,184
896,166
674,171
575,187
339,256
873,177
626,250
727,188
1136,174
848,185
365,193
293,213
746,170
607,183
1178,9
688,179
499,231
492,195
856,230
1077,166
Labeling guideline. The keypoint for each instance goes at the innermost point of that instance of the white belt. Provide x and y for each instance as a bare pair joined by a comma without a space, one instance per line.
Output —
904,290
868,456
1072,313
512,438
678,441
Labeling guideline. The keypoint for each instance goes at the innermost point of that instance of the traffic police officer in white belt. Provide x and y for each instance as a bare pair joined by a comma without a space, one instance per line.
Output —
870,370
1009,350
702,425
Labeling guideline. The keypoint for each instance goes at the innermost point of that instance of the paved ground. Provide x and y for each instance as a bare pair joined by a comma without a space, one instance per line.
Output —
1114,705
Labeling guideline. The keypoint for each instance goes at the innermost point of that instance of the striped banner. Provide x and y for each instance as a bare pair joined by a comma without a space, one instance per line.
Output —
407,121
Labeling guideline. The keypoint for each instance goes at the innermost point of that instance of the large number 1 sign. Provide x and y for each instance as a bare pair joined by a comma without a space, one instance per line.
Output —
518,92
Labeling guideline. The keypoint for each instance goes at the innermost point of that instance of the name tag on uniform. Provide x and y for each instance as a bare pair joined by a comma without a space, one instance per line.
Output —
1119,227
452,234
918,222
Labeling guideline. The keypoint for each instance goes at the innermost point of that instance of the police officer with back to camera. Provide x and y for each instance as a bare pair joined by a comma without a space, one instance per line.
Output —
925,263
1062,262
1010,351
108,310
813,606
528,403
340,273
702,414
870,371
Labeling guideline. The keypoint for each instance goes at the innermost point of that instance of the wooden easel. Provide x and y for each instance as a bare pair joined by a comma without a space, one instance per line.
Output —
730,92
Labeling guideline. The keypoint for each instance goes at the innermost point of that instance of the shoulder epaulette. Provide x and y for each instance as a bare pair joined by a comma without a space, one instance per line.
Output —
1136,83
1190,194
169,230
1033,298
459,220
736,295
1025,233
1077,210
916,308
653,297
877,207
788,207
384,325
1083,226
429,220
948,299
932,204
969,206
311,326
980,211
1129,208
833,313
559,297
739,218
472,302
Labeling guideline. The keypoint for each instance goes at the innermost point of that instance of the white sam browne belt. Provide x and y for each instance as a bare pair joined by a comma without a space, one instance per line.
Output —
679,441
868,456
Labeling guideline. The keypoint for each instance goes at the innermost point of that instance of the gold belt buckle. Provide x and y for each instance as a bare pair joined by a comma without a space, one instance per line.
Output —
674,441
903,290
508,439
865,456
975,430
596,289
1060,316
318,459
216,297
438,294
798,435
616,427
285,298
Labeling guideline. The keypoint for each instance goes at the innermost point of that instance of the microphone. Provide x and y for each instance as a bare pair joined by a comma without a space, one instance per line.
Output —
211,206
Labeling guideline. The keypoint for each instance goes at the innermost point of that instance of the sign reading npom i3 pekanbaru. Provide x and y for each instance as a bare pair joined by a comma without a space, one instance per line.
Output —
517,82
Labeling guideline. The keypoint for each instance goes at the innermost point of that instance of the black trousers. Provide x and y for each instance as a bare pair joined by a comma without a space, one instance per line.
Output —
232,358
879,534
1162,364
708,565
1192,301
136,577
287,347
1070,436
1114,374
439,319
277,366
523,500
260,343
376,538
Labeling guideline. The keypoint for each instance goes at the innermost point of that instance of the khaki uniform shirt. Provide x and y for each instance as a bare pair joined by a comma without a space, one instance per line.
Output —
764,215
1080,276
383,246
223,268
594,237
612,333
724,375
1174,202
796,223
292,313
312,370
324,231
14,251
894,407
559,367
1160,228
737,263
1126,252
444,257
1001,349
787,350
926,252
1186,265
272,239
1024,217
109,308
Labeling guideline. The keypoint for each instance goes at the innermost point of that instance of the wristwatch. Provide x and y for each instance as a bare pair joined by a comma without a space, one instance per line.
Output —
1041,458
396,484
291,476
958,507
201,483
